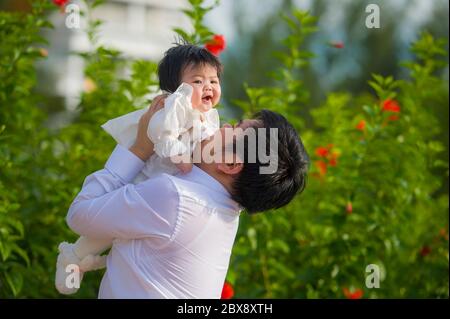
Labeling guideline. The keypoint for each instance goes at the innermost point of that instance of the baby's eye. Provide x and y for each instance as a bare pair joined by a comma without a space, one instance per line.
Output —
214,82
198,81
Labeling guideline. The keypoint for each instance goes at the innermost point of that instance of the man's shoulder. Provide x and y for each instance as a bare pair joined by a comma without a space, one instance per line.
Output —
178,183
186,187
160,183
167,183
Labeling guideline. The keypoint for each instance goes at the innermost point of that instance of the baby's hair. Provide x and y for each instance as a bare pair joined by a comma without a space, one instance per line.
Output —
179,40
178,57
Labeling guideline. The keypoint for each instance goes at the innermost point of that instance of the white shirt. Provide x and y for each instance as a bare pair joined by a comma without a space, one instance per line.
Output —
174,130
173,235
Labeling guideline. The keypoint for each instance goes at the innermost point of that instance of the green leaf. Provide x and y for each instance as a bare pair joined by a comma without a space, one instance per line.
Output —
378,78
182,33
251,234
278,244
376,87
15,282
5,250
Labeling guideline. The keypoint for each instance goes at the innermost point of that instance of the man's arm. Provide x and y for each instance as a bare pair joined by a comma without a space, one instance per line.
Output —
109,207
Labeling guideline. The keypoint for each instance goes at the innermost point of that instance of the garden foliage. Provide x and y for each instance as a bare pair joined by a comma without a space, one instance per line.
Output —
374,192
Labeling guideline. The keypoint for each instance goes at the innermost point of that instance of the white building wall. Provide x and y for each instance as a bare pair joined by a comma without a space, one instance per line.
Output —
138,28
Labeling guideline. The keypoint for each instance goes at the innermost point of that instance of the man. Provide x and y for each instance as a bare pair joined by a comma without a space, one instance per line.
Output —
173,235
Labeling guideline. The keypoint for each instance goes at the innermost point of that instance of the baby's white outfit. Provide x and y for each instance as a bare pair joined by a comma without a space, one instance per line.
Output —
174,130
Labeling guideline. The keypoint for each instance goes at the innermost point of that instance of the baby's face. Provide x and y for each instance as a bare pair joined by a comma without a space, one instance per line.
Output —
203,78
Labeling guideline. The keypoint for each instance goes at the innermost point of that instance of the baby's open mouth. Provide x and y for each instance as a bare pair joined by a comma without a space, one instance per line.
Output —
207,99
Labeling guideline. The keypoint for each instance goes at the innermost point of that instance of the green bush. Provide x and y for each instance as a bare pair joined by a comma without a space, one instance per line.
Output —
373,195
22,136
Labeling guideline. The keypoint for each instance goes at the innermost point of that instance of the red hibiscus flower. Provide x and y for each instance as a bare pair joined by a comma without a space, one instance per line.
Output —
322,151
393,118
216,45
356,294
332,159
426,250
227,291
443,233
391,106
361,125
337,45
349,208
322,167
60,3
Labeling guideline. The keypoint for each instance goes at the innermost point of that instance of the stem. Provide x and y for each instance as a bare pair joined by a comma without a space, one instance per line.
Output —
265,274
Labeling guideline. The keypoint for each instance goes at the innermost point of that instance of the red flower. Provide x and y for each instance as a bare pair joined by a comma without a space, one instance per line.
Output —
357,294
361,125
393,118
337,45
60,3
332,159
443,233
216,45
425,251
322,166
322,151
227,291
349,208
391,106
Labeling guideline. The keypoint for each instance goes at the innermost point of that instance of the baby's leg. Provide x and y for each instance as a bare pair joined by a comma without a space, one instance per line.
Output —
85,246
85,254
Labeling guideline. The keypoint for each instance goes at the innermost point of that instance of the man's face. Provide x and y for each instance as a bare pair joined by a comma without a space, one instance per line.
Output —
203,78
234,131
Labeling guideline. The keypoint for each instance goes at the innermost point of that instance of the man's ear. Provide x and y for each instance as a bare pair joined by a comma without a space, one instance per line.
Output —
231,168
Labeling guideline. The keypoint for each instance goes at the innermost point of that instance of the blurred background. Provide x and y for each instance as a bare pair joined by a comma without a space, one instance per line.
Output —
253,30
76,80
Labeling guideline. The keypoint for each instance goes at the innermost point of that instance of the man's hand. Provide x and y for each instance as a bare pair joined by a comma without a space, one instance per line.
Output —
143,146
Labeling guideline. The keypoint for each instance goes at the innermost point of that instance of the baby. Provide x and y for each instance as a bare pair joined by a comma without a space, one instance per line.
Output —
192,73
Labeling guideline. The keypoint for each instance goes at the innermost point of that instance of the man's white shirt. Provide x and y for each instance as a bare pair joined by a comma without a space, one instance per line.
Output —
173,235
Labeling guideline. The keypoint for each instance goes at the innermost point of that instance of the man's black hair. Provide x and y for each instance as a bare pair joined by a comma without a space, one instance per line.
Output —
258,192
177,58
